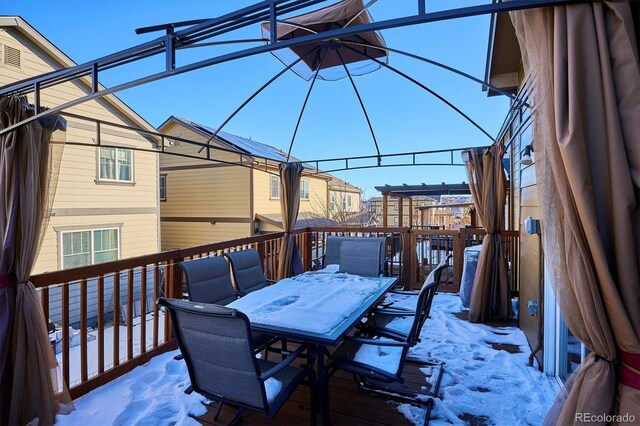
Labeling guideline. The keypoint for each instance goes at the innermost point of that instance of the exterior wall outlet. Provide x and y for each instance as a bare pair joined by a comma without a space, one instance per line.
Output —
532,307
531,226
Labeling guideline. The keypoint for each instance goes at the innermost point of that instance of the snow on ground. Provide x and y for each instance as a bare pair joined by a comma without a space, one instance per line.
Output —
313,302
152,394
493,386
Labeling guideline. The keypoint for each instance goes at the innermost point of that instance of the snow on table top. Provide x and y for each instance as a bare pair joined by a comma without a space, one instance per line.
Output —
311,302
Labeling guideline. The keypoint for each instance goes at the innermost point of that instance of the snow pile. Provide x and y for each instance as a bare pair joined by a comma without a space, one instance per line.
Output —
493,386
150,394
312,302
272,388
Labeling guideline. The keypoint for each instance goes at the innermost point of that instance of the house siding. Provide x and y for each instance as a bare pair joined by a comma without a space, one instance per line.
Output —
77,191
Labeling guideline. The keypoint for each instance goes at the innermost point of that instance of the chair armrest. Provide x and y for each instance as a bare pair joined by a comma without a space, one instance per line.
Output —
271,281
387,332
376,342
284,363
241,293
395,312
405,292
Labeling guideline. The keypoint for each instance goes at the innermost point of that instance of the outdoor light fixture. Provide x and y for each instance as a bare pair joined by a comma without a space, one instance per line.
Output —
526,155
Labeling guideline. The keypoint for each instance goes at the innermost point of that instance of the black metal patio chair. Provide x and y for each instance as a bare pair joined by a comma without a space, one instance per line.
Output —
208,280
216,344
247,271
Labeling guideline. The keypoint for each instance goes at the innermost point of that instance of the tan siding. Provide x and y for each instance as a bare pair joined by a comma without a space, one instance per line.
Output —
263,204
78,170
188,234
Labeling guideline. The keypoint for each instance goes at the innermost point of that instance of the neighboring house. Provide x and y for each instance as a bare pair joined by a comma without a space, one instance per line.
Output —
344,202
561,352
393,209
204,201
106,204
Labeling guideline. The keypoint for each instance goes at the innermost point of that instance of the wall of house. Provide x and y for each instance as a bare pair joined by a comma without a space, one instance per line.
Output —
340,195
205,202
83,202
264,204
524,191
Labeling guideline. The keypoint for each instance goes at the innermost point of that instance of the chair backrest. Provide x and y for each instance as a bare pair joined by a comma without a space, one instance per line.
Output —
433,278
216,344
208,280
333,247
247,270
360,258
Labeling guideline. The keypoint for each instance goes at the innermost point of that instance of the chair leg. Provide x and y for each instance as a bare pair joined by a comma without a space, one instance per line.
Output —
218,411
237,417
393,392
313,387
284,350
430,363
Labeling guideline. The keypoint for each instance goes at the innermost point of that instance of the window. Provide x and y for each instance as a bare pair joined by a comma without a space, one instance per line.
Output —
274,187
332,201
162,187
395,206
304,189
349,201
395,221
116,164
81,248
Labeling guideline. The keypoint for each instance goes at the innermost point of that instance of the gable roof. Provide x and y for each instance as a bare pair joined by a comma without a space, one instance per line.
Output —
32,35
242,144
337,184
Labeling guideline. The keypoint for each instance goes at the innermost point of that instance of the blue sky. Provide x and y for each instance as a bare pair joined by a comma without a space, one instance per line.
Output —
405,118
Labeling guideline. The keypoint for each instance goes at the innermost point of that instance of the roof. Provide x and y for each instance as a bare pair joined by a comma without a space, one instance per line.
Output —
338,184
414,198
305,219
58,56
503,55
242,144
424,189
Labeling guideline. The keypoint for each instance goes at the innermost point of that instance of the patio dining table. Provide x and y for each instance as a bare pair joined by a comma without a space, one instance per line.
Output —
319,309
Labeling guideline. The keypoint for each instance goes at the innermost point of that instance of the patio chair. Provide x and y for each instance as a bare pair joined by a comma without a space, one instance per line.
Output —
208,280
247,271
222,367
376,361
332,251
360,258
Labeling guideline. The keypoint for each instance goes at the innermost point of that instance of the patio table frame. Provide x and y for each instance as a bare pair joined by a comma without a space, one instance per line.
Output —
320,341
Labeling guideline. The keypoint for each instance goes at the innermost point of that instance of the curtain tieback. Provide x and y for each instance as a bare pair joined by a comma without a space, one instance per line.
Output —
630,369
7,280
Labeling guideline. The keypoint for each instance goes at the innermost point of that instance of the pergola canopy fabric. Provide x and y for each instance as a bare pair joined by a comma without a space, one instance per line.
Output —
328,56
585,75
289,262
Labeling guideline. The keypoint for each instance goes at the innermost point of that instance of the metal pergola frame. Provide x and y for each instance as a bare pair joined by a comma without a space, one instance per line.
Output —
196,34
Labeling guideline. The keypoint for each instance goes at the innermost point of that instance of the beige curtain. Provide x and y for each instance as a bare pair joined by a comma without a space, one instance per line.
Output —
490,297
30,373
289,262
583,63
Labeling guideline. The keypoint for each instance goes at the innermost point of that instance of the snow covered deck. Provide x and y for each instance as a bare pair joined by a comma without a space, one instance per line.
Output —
483,384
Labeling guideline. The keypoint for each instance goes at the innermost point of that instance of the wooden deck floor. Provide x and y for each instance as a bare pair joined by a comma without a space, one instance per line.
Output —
347,405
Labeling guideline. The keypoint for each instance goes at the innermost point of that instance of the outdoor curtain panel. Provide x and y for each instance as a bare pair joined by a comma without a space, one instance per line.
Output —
289,262
583,62
29,373
490,297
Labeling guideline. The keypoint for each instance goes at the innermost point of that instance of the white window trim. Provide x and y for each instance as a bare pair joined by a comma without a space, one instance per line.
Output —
164,176
271,197
308,192
90,230
117,181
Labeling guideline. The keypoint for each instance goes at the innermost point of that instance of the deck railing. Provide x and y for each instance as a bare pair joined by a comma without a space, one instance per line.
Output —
109,322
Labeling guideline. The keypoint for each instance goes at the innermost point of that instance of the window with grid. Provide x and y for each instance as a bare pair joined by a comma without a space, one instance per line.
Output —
116,164
332,201
304,189
274,187
82,248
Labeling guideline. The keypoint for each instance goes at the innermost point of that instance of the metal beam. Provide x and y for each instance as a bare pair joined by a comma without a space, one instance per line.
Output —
231,22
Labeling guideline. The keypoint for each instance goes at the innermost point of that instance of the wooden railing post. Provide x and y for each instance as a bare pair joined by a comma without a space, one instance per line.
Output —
306,250
407,259
459,242
174,291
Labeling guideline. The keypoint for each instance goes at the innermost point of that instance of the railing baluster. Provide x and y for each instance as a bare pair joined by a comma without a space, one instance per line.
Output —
156,287
101,324
143,309
130,302
83,330
116,318
44,300
65,332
